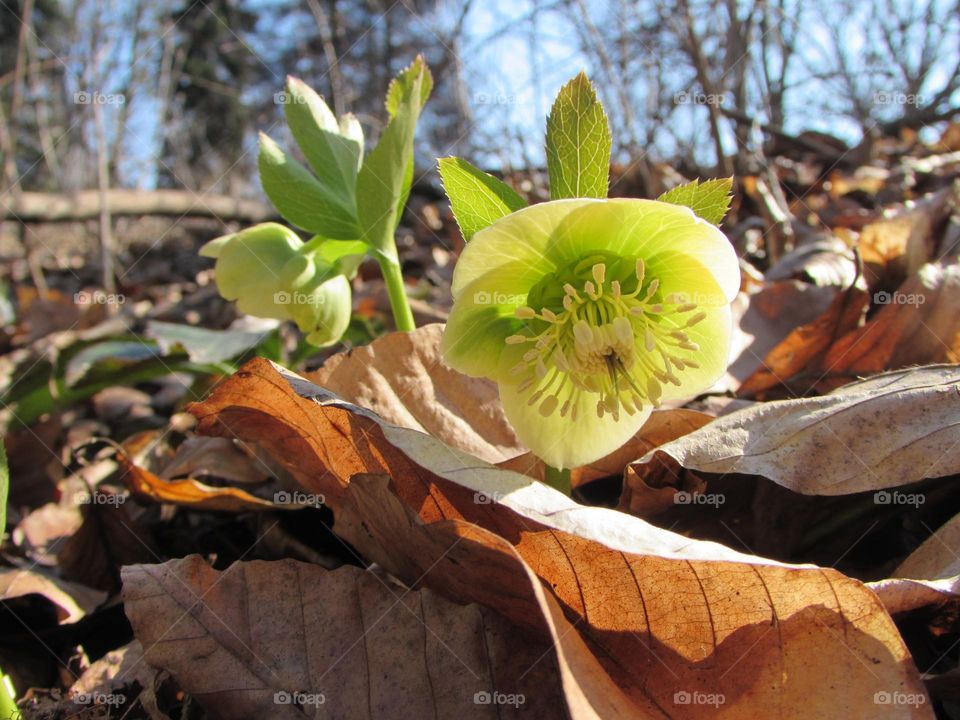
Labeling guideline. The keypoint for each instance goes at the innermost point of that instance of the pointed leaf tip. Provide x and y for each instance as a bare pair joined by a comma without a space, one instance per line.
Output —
578,142
477,199
404,81
709,200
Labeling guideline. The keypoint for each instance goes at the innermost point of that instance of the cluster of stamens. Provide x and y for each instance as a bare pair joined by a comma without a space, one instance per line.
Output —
620,346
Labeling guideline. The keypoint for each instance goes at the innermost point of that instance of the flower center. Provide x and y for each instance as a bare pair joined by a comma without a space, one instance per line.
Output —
619,345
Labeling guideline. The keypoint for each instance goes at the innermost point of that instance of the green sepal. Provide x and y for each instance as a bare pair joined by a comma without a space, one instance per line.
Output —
345,256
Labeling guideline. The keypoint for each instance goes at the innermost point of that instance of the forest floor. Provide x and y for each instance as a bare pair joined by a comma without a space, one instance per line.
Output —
145,470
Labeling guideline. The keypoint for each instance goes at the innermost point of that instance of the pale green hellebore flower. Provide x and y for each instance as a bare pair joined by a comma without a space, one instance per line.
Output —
590,313
272,273
250,264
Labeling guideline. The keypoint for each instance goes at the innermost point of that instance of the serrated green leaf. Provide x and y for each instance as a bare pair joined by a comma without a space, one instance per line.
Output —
478,199
402,84
578,143
333,156
301,198
709,200
383,183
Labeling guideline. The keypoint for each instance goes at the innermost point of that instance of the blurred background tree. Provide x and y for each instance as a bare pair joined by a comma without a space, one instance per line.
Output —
130,93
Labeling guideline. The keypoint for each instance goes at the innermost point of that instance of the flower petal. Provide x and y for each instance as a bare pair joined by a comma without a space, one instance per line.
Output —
712,335
249,267
691,282
322,309
561,441
482,318
520,237
651,230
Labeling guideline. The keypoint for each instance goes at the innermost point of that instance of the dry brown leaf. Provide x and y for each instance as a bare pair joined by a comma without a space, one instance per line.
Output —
826,260
652,488
116,670
108,673
41,533
34,468
763,319
402,378
342,643
44,314
890,430
471,564
663,614
217,457
918,325
900,595
866,178
108,538
929,576
72,600
805,345
188,493
936,557
895,248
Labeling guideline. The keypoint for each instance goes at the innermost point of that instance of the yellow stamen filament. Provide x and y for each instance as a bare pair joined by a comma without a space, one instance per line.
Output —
618,346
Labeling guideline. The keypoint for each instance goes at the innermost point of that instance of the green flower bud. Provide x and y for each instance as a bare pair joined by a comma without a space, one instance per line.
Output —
249,267
271,273
321,307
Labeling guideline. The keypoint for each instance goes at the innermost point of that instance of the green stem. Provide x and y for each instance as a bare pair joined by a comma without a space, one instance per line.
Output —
557,479
313,245
8,699
393,278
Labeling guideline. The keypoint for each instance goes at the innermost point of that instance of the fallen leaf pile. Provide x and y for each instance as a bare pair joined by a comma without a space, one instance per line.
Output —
219,536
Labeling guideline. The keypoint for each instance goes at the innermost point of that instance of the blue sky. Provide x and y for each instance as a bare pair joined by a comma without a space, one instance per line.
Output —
513,77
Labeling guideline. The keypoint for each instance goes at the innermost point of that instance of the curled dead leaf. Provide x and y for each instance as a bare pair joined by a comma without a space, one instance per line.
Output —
72,600
826,260
764,318
889,430
916,325
806,344
661,613
189,492
652,488
895,248
929,576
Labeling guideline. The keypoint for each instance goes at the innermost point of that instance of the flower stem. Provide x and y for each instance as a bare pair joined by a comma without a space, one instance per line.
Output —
313,245
558,479
8,699
393,278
